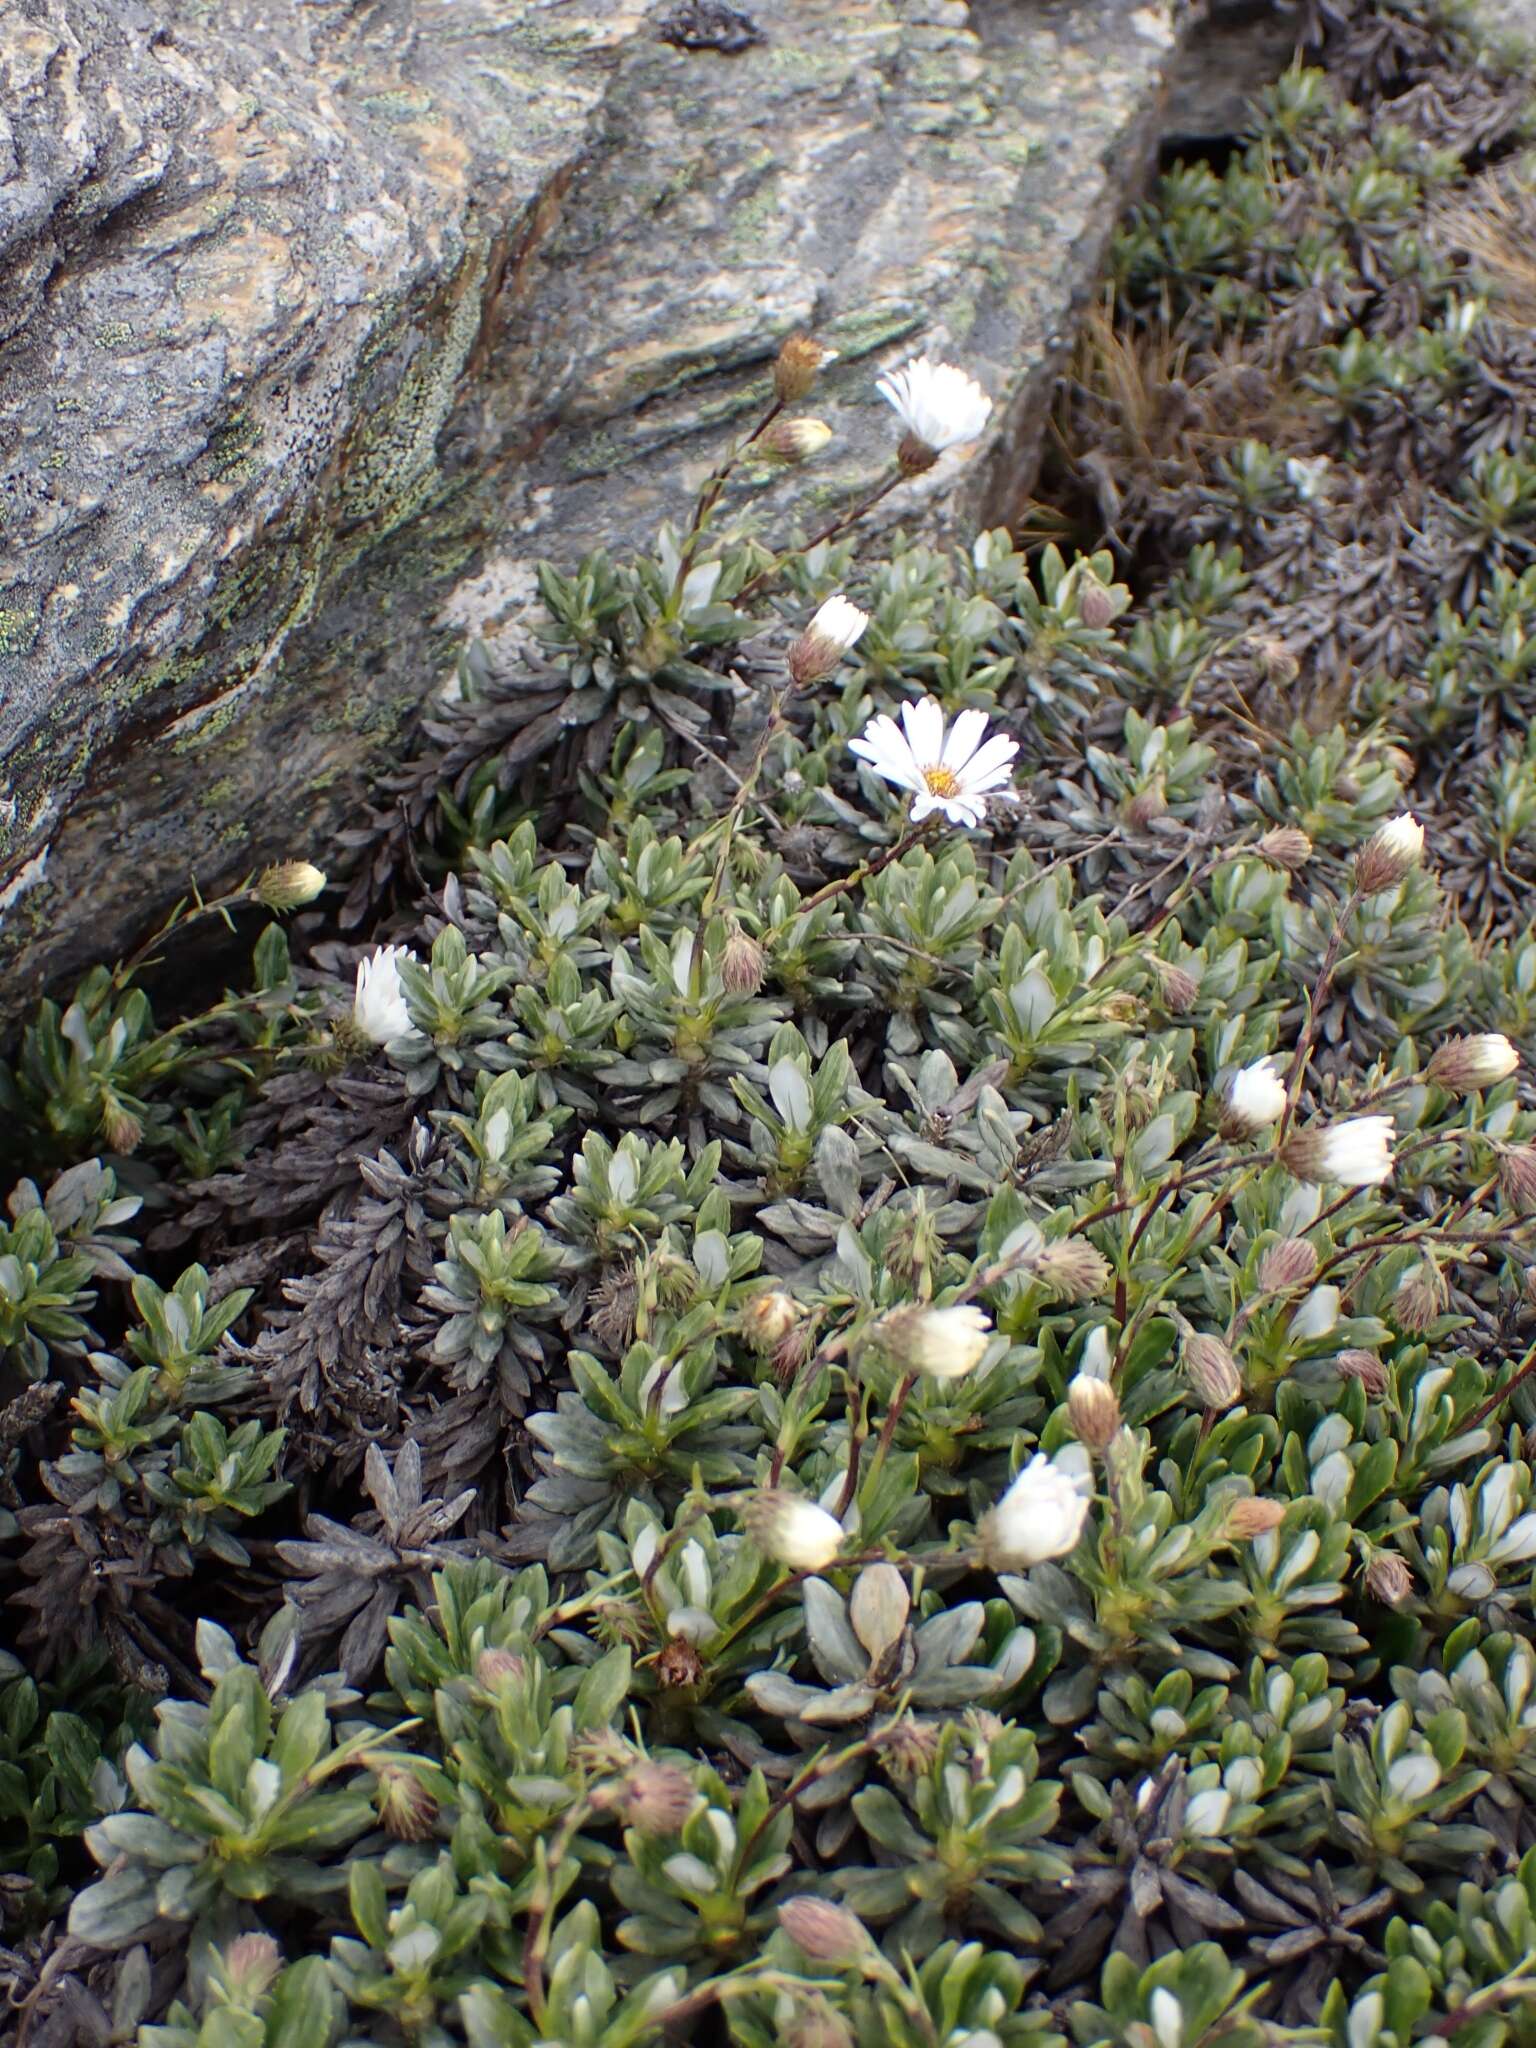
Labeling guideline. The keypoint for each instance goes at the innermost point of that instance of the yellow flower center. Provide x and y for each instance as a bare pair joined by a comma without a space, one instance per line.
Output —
941,781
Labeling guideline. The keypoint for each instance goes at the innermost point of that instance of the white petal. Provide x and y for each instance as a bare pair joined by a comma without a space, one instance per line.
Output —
924,722
965,737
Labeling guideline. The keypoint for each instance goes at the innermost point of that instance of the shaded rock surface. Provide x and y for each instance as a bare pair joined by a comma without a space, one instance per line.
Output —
322,320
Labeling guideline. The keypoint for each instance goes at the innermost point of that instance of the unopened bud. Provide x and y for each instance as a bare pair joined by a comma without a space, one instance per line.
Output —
796,367
1095,605
1290,1263
793,1529
1212,1370
1287,847
289,885
1465,1065
1178,985
120,1127
1072,1269
1146,806
251,1963
1252,1515
496,1668
1388,1578
1365,1367
815,2024
1420,1298
944,1342
1254,1100
405,1807
908,1748
1356,1153
767,1319
823,1931
1517,1177
657,1798
741,965
1391,852
795,440
837,626
1093,1409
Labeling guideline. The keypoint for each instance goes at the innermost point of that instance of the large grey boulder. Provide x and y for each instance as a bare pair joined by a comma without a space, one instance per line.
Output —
321,320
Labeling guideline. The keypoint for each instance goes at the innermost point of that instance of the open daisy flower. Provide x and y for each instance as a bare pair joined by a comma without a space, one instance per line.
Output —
958,774
940,407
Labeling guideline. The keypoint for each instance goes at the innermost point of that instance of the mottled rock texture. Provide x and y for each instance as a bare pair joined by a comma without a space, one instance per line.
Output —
320,320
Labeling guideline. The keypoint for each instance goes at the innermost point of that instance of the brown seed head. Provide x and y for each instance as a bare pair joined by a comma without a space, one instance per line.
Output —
795,370
909,1747
1179,986
1388,1578
679,1665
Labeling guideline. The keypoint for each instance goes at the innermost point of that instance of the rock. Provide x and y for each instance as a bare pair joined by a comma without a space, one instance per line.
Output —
321,320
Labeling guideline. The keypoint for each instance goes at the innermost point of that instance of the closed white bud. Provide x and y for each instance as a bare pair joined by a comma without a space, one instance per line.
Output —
1254,1100
378,1008
289,885
945,1342
1464,1065
1355,1154
1094,1410
836,627
793,1530
795,440
1389,854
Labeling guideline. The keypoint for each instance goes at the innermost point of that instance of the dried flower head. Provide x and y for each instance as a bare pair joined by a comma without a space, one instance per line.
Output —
615,1303
795,440
1093,1409
1252,1515
1290,1263
1365,1367
1277,661
1254,1099
825,1932
909,1746
1039,1517
379,1009
1211,1369
939,407
679,1665
1286,846
657,1798
837,626
1388,856
1356,1153
958,774
1179,985
795,369
947,1342
1465,1065
1388,1578
1419,1299
742,964
767,1318
792,1529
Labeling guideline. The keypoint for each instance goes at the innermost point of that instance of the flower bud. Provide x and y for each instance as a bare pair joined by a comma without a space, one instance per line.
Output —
1178,984
1290,1263
1465,1065
796,367
741,965
1365,1367
1071,1268
657,1798
836,627
823,1931
289,885
1287,847
1388,1578
1356,1153
792,1529
496,1668
1146,807
945,1342
814,2024
1517,1177
1093,1409
251,1964
795,440
1420,1298
119,1126
405,1807
767,1319
909,1747
1252,1515
1391,852
1095,604
679,1666
1254,1099
1212,1370
1276,660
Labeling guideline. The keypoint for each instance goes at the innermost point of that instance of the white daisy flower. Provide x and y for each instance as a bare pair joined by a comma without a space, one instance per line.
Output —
958,775
378,1008
939,406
